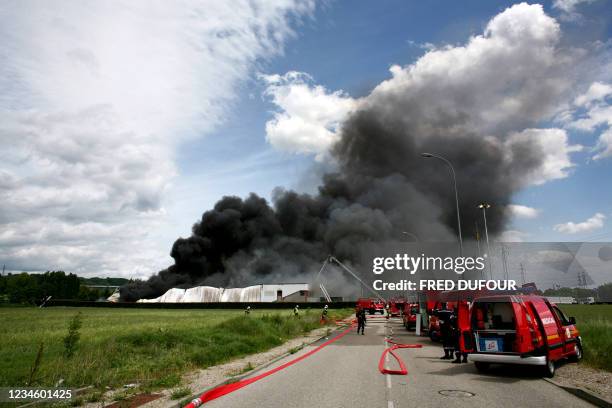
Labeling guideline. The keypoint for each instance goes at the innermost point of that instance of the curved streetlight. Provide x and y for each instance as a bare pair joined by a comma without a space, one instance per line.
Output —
484,207
428,155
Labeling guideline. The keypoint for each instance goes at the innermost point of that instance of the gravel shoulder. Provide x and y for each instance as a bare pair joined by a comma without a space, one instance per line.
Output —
579,375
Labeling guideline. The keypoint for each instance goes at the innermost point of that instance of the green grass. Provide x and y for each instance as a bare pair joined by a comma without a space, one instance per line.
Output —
595,325
153,347
180,393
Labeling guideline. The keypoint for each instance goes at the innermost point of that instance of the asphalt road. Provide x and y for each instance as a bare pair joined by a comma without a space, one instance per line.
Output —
345,375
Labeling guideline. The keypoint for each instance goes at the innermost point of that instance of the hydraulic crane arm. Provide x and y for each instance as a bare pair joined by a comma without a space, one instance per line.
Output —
332,259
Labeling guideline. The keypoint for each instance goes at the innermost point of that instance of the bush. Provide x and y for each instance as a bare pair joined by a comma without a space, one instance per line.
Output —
72,338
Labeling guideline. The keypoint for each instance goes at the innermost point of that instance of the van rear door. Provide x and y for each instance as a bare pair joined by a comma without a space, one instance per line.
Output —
466,343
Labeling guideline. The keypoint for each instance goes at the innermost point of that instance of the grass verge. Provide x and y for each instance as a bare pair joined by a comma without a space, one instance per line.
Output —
153,348
595,325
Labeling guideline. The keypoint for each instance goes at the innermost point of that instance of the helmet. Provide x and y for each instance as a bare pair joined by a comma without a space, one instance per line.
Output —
326,306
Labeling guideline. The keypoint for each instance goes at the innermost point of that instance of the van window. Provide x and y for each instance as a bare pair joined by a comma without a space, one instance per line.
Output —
494,316
560,315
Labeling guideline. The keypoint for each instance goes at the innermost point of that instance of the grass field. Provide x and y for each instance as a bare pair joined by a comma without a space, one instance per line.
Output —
595,325
149,346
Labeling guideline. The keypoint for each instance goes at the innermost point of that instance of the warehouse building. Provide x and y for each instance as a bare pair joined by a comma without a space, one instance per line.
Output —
282,292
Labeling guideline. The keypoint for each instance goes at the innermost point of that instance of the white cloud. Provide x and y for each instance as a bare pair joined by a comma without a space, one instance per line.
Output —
512,236
568,8
593,223
597,92
504,79
592,111
523,211
556,149
95,98
309,116
604,145
499,83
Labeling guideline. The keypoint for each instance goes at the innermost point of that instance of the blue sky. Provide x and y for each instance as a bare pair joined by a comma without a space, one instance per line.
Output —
128,128
350,46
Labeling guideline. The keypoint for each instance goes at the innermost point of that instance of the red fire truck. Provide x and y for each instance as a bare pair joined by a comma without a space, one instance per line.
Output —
396,306
371,305
517,329
409,315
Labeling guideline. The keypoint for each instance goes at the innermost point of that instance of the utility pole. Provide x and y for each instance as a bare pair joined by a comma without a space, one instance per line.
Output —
523,277
504,253
484,207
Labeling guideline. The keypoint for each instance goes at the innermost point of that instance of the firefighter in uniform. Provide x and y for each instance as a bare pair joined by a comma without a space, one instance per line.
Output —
445,318
324,314
361,320
247,311
296,311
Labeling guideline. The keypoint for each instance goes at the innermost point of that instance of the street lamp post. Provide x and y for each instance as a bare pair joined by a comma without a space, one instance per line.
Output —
416,239
456,196
484,207
410,234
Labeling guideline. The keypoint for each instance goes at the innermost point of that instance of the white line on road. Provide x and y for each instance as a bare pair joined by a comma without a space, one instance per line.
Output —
390,404
388,381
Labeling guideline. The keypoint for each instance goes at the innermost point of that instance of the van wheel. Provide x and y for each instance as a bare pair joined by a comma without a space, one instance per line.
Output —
549,368
578,353
480,366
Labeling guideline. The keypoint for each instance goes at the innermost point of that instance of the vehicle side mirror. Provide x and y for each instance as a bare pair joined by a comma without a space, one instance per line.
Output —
572,320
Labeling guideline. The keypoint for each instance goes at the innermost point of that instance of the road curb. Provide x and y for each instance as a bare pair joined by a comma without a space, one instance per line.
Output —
237,378
584,394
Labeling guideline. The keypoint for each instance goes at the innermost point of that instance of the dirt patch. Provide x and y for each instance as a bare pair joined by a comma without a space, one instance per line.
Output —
579,375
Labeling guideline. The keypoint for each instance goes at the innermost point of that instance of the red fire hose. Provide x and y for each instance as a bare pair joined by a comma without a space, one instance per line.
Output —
228,388
403,370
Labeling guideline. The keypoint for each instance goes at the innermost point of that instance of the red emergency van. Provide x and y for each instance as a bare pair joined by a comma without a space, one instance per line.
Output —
518,329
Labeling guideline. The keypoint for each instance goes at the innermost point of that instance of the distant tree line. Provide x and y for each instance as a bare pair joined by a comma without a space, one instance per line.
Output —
32,288
602,293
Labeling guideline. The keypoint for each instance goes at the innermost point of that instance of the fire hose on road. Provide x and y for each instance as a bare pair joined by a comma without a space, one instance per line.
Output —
228,388
389,350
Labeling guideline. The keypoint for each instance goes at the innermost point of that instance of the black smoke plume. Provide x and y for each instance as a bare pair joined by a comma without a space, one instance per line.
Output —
381,187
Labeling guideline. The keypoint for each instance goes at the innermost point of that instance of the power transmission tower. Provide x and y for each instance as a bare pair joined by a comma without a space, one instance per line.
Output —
582,279
504,253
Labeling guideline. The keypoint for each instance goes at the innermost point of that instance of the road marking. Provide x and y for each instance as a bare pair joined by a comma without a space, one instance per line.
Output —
390,404
388,381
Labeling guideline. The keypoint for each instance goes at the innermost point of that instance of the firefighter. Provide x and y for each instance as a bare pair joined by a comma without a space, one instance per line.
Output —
247,311
296,311
446,332
361,320
388,311
324,314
